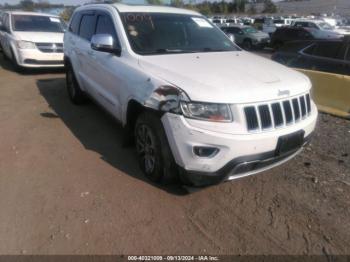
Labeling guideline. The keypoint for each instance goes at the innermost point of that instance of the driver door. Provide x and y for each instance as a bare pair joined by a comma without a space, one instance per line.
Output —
107,68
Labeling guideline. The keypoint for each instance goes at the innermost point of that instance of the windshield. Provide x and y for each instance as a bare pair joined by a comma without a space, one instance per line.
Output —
250,30
32,23
159,33
325,26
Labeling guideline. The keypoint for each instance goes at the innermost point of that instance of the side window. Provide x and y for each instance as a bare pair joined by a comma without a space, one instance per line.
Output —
87,26
105,25
312,25
74,24
6,22
232,30
329,50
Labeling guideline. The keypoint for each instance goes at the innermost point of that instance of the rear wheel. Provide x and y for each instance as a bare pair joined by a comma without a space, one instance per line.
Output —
155,157
75,93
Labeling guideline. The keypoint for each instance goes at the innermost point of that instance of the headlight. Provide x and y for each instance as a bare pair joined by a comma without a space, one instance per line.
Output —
26,45
207,111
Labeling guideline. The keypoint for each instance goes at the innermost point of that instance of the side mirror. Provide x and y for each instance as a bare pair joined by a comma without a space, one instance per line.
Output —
104,43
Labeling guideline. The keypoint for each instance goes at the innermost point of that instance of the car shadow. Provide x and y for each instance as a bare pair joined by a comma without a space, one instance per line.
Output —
96,130
8,66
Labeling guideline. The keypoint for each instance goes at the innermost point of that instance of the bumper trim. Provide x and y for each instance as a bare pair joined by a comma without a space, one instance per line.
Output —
238,167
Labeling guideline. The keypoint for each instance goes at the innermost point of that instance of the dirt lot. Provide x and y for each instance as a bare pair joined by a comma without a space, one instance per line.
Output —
67,186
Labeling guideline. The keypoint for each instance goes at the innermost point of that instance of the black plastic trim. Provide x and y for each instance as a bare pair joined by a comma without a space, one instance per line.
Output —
237,166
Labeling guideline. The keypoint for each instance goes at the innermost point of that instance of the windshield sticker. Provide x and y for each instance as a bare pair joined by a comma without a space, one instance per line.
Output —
54,19
201,22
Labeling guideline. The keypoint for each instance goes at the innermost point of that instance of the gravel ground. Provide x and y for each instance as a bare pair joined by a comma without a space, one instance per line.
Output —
67,186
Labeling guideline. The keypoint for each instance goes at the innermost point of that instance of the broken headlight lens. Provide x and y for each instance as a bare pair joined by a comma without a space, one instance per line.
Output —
207,111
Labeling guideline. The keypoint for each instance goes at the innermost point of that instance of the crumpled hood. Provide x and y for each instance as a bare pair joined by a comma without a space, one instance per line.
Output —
226,77
39,37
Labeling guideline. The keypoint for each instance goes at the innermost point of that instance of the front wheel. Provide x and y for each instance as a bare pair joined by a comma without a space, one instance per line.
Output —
155,157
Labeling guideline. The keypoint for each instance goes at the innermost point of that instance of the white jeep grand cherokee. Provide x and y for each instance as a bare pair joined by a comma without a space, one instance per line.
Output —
198,107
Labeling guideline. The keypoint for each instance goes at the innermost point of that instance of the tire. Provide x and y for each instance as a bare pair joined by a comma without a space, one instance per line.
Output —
76,95
247,44
154,154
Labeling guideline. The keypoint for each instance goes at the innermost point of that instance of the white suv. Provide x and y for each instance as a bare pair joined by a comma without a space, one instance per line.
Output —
32,39
197,106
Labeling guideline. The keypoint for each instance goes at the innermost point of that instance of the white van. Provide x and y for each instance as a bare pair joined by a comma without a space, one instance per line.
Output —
32,39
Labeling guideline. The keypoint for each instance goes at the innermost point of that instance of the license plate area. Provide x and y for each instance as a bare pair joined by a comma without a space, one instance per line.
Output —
289,143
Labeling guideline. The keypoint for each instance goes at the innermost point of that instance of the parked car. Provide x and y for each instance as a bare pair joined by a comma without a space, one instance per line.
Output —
284,35
247,37
325,56
233,20
32,39
322,30
265,24
199,107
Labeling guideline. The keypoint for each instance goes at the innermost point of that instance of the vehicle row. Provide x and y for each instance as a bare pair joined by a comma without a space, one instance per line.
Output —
249,37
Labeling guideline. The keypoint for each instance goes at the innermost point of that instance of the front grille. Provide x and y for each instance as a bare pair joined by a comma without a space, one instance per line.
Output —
50,47
303,106
277,114
296,109
288,112
252,119
265,116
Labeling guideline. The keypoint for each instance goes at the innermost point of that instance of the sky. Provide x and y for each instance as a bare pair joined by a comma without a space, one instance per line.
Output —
66,2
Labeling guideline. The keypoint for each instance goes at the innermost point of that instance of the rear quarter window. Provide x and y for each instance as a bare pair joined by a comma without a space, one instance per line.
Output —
328,50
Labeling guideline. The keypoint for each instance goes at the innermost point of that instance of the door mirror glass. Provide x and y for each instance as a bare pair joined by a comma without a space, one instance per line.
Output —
104,43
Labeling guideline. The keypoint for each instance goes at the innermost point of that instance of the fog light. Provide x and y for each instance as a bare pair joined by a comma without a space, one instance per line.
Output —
203,151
